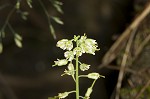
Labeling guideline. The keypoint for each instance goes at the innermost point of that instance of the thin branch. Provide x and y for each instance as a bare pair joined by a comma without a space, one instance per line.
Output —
141,46
118,68
142,90
123,64
48,18
111,55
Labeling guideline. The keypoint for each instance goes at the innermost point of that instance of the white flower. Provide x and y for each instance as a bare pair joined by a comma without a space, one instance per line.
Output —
84,67
70,70
93,75
62,43
90,46
69,55
60,62
63,95
69,45
90,42
82,39
65,44
77,51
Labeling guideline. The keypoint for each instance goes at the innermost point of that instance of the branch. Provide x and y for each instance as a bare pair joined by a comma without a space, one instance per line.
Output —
116,47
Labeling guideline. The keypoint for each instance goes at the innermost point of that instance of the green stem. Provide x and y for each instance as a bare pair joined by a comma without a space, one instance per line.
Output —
48,17
93,83
77,79
77,76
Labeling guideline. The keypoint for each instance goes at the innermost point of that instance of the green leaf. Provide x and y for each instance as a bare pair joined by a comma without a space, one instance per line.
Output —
57,20
18,42
58,2
29,3
1,47
24,15
18,5
52,31
58,8
17,36
2,33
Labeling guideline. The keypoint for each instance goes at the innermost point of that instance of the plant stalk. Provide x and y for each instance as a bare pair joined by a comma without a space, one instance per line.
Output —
77,74
77,79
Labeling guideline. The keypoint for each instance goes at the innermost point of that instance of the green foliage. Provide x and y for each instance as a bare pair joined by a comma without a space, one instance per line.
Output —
72,53
24,15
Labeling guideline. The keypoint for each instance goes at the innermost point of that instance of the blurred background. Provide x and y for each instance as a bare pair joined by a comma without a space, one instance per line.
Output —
27,73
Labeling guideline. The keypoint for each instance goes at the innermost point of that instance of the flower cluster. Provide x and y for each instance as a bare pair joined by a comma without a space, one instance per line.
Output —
83,45
74,48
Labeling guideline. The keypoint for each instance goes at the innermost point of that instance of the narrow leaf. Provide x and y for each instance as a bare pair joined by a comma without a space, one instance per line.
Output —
58,8
2,34
29,3
1,47
17,36
24,15
18,5
58,2
18,43
57,20
52,31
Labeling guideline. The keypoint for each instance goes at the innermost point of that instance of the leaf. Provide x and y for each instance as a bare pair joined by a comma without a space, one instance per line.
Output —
29,3
18,5
24,15
18,42
1,47
52,31
58,2
57,20
58,8
17,36
2,33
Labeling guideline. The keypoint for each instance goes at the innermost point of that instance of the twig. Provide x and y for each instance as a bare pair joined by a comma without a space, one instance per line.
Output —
142,90
48,17
118,68
123,64
111,55
140,48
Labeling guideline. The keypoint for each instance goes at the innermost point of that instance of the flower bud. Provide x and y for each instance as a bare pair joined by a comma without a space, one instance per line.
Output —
60,62
63,95
88,92
93,75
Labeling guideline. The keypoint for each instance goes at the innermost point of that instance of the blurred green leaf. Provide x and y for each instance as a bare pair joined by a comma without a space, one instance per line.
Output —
1,47
18,43
29,3
2,34
58,8
57,20
52,31
18,39
18,5
17,36
24,15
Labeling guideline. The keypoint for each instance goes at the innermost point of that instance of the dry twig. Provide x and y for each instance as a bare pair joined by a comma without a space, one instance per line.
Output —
112,53
123,64
142,90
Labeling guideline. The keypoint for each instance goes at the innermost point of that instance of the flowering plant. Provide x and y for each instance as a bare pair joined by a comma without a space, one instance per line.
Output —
82,45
